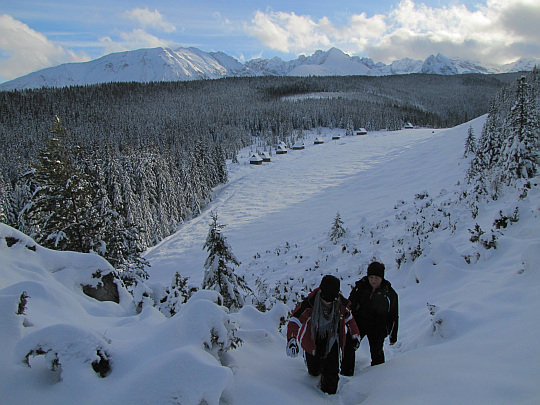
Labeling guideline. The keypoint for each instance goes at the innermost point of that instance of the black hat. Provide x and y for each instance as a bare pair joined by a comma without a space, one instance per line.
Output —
329,288
376,269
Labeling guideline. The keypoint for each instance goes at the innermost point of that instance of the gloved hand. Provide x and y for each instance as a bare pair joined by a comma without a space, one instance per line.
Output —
292,347
356,344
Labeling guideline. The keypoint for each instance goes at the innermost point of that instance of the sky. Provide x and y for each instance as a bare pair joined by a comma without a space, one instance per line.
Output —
35,34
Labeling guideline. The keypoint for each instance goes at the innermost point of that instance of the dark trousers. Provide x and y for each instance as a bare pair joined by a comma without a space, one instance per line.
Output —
376,343
327,367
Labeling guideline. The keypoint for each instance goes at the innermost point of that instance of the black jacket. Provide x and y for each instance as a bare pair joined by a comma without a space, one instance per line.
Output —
375,313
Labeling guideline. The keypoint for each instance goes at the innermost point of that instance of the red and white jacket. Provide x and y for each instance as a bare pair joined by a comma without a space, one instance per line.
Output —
299,325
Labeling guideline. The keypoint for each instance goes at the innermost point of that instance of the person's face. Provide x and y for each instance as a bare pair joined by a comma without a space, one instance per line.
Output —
375,281
326,300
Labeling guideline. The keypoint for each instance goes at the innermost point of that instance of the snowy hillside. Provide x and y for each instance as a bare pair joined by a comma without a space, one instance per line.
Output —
163,64
143,65
468,315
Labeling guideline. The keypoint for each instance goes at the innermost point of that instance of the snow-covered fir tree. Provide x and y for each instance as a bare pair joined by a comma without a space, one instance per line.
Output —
488,147
119,244
16,201
70,210
61,211
350,128
470,143
219,267
3,201
175,295
508,149
519,155
338,231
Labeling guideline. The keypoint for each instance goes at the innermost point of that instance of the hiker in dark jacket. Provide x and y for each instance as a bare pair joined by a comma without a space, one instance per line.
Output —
374,305
319,324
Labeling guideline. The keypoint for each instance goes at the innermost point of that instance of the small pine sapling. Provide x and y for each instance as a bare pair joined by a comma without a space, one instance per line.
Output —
470,143
219,268
337,232
176,295
23,300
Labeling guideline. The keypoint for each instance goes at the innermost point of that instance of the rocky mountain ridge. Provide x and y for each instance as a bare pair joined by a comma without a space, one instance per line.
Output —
183,64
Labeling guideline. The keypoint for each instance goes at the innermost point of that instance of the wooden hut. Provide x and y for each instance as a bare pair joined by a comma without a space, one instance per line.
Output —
336,136
318,141
361,131
265,156
299,145
408,125
281,149
255,159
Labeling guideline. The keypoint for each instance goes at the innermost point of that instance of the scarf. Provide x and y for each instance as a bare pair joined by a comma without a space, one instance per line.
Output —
325,322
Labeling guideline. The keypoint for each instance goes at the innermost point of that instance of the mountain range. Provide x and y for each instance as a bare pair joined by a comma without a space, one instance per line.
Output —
183,64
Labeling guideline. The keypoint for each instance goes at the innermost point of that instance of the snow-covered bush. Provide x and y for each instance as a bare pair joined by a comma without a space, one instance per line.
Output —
142,296
426,217
202,321
22,303
506,218
289,291
175,295
67,349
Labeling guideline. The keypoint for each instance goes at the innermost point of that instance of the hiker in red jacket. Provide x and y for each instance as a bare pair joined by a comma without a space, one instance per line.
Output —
320,324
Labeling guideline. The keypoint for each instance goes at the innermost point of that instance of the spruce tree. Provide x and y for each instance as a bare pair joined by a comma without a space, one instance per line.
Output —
3,207
219,268
350,128
4,200
60,209
470,143
116,239
508,148
175,295
70,210
519,156
119,243
487,153
337,232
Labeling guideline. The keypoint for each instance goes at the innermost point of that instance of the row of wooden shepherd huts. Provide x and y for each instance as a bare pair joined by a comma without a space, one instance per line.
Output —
281,148
259,158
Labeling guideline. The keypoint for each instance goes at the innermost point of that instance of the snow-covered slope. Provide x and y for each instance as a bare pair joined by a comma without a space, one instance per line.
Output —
143,65
468,315
331,63
163,64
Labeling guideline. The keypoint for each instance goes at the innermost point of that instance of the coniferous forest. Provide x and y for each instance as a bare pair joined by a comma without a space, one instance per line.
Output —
114,168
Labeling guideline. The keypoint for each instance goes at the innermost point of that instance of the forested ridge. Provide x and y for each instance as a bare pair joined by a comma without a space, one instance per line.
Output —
170,116
148,155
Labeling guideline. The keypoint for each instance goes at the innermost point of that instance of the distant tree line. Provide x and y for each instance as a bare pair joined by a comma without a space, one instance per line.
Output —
128,162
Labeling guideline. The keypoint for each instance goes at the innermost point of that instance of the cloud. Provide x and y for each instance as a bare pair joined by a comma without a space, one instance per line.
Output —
24,50
498,32
135,39
288,32
150,19
521,18
139,37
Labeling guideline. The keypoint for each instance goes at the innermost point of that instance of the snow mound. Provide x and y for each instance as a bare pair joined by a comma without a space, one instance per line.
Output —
53,335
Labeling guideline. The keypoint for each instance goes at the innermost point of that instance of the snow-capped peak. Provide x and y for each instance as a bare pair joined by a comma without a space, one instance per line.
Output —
182,64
